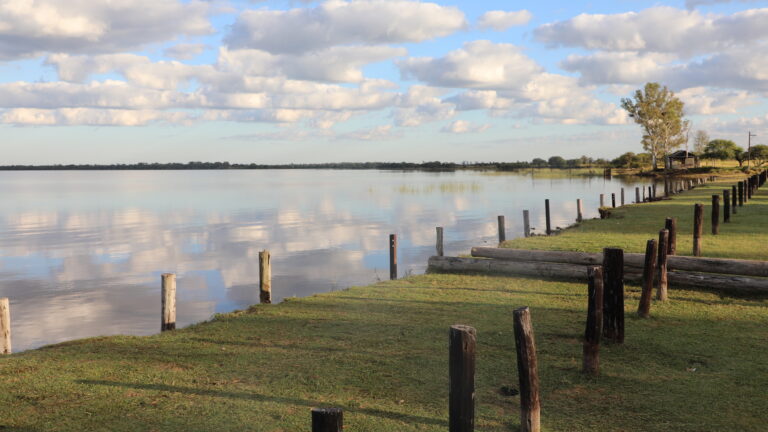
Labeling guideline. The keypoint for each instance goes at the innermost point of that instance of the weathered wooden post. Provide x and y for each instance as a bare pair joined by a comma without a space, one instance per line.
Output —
439,242
741,193
622,197
602,200
650,194
726,206
461,366
654,191
613,200
715,214
613,297
594,328
168,300
667,187
747,192
502,229
579,211
671,225
734,202
526,223
327,420
527,370
393,256
548,216
661,293
5,326
649,277
265,277
637,195
644,198
698,228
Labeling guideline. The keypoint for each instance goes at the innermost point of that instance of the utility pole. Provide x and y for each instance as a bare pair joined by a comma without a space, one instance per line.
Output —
749,148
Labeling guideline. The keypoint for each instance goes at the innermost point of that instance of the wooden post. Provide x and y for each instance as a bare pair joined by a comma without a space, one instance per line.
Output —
502,229
637,195
650,194
613,200
548,217
644,199
661,293
5,326
461,366
654,191
667,187
748,186
698,228
741,193
734,202
726,206
715,214
327,420
649,278
613,298
526,223
439,243
393,256
594,329
747,194
527,370
168,300
602,200
579,210
265,277
671,225
622,197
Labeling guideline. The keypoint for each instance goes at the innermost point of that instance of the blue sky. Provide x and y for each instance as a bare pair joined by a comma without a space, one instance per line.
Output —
366,80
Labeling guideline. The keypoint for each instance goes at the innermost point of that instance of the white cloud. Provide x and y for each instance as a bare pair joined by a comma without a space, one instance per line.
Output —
337,22
691,4
378,133
421,105
660,29
480,99
700,100
464,126
502,20
30,27
89,116
618,67
185,51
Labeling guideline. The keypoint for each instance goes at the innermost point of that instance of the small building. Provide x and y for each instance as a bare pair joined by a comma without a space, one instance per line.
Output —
682,159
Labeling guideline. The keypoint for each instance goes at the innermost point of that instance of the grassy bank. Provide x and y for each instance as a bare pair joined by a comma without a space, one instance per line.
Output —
745,237
380,352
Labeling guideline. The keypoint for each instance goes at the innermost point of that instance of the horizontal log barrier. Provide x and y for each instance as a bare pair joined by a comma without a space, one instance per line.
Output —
683,279
683,263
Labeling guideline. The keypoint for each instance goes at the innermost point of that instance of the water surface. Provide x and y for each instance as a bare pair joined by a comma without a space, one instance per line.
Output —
81,252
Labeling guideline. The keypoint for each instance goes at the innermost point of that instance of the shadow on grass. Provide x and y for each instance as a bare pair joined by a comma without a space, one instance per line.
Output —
263,398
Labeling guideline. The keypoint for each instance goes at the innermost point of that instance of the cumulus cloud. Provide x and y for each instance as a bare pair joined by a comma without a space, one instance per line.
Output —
336,22
618,67
464,126
422,104
701,100
185,51
378,133
659,29
90,116
29,28
502,20
691,4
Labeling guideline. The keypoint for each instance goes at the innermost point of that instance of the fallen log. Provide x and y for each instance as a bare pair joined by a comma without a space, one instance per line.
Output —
691,264
730,283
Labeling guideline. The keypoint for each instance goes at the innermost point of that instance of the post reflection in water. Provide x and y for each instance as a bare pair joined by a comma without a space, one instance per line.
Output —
81,252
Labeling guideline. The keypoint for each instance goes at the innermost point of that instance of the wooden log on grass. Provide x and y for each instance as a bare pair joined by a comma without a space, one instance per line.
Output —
5,326
168,301
661,293
613,296
461,367
327,420
698,228
265,277
392,256
649,273
527,371
594,327
671,225
439,241
715,214
677,263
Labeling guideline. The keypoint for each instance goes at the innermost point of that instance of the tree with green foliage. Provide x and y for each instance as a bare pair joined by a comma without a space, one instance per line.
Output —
556,162
721,149
660,113
759,154
627,160
538,163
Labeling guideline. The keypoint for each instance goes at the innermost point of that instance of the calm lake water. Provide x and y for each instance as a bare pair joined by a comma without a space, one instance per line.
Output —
81,253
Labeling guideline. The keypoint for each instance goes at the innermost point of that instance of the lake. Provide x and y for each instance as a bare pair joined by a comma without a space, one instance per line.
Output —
81,252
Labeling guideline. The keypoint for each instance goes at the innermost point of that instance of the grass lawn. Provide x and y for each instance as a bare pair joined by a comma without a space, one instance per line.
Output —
700,363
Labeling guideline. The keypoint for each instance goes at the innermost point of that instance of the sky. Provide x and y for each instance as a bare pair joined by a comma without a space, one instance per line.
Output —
86,81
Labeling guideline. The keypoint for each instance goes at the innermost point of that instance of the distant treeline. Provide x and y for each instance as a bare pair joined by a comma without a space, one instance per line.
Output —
429,166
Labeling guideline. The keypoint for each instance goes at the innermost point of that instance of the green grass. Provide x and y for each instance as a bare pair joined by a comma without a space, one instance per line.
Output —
629,227
380,352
